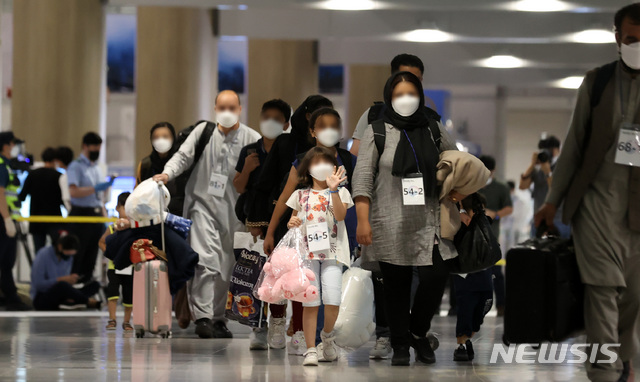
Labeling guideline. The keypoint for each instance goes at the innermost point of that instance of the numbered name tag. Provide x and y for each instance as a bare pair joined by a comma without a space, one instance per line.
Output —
318,237
413,191
217,185
127,271
628,146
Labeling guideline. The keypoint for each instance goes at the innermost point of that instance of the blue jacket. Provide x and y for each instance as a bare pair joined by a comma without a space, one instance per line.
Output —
46,269
182,258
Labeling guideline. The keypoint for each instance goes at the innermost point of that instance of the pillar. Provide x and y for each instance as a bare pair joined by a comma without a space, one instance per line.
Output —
176,69
365,84
58,71
285,69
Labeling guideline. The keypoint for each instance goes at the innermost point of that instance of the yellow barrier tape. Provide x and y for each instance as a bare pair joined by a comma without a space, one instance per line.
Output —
60,219
502,262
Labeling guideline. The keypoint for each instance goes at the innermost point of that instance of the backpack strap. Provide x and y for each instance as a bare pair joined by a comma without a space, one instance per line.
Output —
379,135
203,141
375,112
604,74
347,162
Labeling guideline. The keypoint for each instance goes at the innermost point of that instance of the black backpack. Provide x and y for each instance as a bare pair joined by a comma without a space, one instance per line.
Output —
376,112
603,76
182,179
380,132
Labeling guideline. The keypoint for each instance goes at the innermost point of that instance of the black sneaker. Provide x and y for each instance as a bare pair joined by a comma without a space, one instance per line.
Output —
470,351
626,372
461,354
204,328
220,330
424,352
401,356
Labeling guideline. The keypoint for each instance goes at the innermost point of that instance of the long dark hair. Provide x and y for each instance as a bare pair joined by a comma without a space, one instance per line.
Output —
304,177
321,113
163,124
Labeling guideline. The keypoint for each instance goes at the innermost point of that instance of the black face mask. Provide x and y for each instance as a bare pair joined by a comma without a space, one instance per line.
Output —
94,155
62,256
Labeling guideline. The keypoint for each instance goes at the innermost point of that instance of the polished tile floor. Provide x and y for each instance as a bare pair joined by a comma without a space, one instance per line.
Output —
75,347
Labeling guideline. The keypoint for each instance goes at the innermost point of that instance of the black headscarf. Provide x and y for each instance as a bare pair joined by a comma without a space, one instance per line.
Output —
416,152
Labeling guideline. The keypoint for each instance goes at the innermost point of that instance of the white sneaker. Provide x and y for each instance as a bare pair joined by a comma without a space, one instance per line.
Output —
277,333
382,349
329,349
310,357
259,339
298,344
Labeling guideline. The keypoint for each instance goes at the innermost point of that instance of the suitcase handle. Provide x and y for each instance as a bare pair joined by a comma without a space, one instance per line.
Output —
160,184
543,230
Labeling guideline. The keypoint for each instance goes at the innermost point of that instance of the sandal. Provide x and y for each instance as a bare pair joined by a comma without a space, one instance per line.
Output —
127,326
111,325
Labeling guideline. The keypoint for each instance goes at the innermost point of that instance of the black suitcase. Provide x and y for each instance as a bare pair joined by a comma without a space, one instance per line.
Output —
544,294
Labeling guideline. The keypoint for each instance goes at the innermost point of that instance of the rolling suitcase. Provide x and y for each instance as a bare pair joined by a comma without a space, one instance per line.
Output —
152,301
544,294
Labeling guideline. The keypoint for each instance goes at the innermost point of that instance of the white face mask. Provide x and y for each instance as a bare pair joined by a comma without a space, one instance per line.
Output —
406,105
15,151
162,145
321,172
328,137
271,128
227,118
631,55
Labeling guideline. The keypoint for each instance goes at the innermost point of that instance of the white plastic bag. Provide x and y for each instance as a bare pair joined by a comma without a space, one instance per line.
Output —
354,326
144,204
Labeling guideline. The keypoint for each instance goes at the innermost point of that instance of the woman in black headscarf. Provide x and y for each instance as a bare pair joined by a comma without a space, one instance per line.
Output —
163,137
398,209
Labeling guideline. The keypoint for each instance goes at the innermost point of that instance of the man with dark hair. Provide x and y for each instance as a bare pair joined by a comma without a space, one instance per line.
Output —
499,205
274,120
63,158
9,206
537,178
52,283
87,188
597,180
43,185
400,63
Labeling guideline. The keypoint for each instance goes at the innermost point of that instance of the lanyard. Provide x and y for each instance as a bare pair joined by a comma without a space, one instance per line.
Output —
412,149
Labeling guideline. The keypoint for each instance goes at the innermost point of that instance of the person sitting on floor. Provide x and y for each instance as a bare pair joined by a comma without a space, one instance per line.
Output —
53,286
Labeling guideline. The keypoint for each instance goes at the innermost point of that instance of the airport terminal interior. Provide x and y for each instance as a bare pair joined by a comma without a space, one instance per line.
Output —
450,186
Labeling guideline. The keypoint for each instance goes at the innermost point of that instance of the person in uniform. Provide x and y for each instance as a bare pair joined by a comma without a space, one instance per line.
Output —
598,179
210,200
86,187
9,206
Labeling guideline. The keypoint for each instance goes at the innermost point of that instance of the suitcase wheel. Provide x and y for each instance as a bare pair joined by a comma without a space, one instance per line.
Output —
140,333
166,334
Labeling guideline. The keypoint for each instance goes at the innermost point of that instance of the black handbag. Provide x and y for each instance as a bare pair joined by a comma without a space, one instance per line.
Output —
477,246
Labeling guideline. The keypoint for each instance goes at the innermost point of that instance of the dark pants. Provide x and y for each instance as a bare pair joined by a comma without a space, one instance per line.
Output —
116,282
89,234
63,292
382,327
403,318
498,284
472,308
8,246
41,233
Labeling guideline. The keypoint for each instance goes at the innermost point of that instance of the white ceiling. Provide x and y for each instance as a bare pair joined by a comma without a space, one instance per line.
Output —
482,28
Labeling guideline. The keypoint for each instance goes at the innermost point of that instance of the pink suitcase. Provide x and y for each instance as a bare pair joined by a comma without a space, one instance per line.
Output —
151,299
